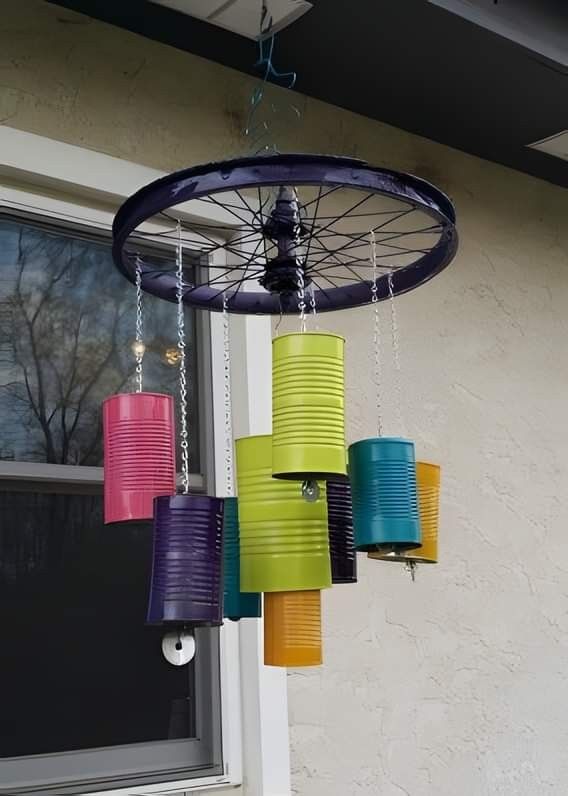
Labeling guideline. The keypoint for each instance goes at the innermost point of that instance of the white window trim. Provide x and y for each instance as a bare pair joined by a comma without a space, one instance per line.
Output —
65,181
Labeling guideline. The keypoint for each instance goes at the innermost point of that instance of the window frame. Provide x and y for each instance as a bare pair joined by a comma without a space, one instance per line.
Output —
80,479
66,182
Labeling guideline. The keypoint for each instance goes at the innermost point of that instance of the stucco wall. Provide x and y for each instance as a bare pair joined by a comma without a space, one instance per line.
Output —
456,684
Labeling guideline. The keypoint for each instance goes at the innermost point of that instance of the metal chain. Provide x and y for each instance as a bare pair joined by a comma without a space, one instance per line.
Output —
182,374
139,347
396,354
301,299
227,401
313,308
376,334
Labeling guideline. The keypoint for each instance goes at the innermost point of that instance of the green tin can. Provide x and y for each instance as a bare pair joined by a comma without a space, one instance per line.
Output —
284,542
308,406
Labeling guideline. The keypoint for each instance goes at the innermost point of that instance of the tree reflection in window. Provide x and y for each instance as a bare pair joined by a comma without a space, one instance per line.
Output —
66,334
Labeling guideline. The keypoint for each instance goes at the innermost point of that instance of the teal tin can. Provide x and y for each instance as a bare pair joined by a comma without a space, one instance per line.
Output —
382,472
236,604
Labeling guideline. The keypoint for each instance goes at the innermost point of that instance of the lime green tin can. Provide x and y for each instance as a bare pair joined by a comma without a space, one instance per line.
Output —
284,541
308,406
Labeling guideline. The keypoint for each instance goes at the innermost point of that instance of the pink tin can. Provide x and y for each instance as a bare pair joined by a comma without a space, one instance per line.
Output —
139,454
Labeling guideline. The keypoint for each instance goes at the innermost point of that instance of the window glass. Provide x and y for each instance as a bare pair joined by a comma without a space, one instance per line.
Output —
79,668
67,325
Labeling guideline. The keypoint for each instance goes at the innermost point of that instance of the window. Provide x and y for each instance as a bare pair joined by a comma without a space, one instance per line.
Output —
88,702
66,334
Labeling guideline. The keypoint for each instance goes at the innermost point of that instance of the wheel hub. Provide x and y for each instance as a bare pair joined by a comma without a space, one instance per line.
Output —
286,273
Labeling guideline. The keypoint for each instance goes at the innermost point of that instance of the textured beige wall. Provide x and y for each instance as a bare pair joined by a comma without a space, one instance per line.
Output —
457,684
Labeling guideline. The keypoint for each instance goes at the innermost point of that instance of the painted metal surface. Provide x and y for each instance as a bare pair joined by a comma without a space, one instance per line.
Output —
200,182
382,472
292,629
284,538
428,481
139,454
308,406
236,604
341,537
186,585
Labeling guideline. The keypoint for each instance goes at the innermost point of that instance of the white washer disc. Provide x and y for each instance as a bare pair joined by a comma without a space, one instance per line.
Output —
178,647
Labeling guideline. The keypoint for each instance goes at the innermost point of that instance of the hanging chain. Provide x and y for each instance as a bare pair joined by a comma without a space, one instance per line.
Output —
227,401
313,308
376,334
182,373
139,347
301,299
396,354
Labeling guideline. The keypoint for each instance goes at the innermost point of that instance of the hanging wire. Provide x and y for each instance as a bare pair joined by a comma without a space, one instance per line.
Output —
139,347
376,333
227,401
257,131
182,373
396,354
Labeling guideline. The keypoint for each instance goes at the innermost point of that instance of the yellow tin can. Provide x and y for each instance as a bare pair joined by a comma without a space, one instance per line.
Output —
308,406
292,628
284,540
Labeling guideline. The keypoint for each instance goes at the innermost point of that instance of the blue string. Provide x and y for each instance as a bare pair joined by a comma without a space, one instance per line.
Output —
265,64
285,79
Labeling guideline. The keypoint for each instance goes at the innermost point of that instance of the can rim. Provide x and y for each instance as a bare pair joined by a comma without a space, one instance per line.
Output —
428,464
397,440
308,333
133,394
253,436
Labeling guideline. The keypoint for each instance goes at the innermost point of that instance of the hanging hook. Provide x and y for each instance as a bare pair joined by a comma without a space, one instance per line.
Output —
411,567
310,491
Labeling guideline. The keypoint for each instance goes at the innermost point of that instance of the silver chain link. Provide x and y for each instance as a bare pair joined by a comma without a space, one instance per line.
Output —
313,308
182,374
396,354
139,347
227,401
376,334
301,299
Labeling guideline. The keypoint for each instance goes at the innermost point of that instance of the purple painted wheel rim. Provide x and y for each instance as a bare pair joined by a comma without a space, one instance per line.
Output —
200,181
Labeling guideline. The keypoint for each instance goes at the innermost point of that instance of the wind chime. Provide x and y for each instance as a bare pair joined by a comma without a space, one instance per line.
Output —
297,226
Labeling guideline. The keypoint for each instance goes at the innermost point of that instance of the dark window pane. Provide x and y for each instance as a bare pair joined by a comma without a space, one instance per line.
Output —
79,668
67,321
